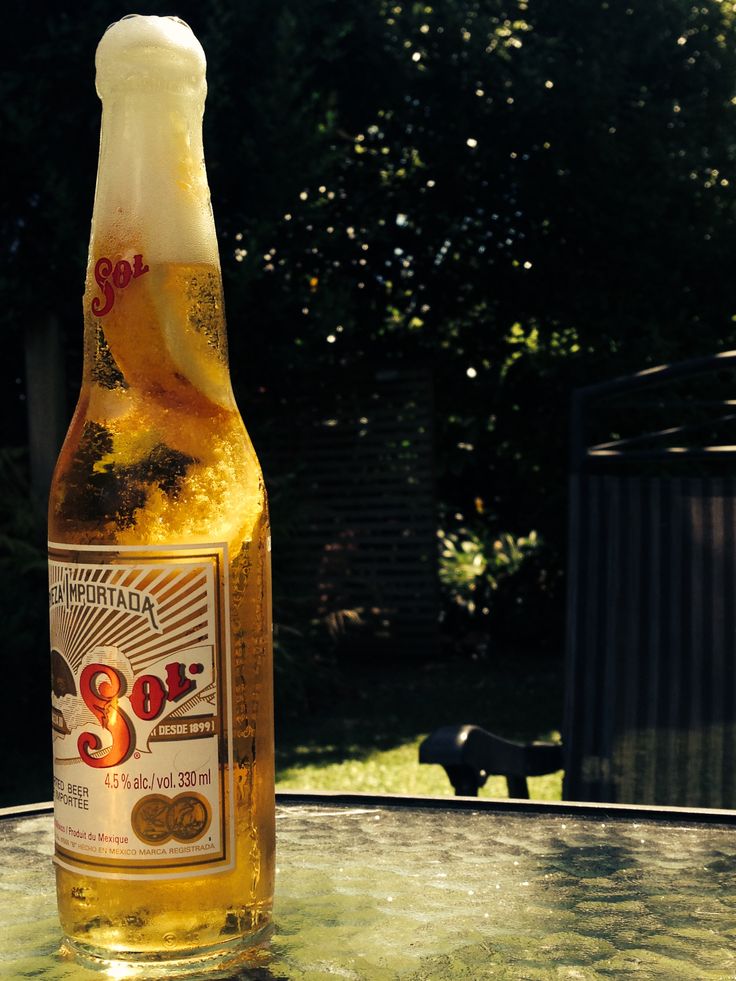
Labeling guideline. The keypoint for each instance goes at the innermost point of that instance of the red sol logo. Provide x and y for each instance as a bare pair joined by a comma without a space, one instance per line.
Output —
110,277
100,685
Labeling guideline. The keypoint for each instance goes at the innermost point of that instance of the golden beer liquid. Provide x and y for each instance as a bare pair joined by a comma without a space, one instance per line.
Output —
157,455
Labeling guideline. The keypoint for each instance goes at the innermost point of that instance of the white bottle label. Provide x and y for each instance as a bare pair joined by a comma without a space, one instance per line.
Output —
140,710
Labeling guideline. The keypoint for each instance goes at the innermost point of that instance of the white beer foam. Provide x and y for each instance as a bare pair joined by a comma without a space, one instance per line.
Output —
152,195
155,50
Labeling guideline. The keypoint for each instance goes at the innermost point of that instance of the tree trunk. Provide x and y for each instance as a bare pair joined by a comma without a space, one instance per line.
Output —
45,393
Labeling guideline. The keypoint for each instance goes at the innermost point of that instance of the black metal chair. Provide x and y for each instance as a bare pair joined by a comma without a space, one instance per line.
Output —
470,755
650,675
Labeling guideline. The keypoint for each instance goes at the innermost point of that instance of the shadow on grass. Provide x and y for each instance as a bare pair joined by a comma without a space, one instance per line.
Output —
383,706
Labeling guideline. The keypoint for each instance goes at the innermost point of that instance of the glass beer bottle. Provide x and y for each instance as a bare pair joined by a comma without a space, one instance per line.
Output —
159,557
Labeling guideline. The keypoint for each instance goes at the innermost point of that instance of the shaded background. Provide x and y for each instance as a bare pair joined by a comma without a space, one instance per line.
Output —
511,198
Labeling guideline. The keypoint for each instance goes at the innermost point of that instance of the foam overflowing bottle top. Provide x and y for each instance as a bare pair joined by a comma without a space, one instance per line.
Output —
149,53
152,195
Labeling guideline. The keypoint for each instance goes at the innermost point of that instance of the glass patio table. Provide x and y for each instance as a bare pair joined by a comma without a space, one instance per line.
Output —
386,888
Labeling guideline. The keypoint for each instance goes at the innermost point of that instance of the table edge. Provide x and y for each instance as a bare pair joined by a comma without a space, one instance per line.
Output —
512,805
699,815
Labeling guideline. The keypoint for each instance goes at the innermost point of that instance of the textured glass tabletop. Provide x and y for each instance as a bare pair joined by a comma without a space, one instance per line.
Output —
379,889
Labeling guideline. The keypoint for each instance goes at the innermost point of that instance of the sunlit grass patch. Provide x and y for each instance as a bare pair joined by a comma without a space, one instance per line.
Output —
395,771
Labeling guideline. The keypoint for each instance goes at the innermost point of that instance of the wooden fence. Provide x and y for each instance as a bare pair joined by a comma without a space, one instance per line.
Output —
361,545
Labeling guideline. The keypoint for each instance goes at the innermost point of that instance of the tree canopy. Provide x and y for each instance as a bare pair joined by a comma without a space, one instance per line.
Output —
523,196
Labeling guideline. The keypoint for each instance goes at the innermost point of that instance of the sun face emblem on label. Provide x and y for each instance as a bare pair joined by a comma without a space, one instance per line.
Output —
157,818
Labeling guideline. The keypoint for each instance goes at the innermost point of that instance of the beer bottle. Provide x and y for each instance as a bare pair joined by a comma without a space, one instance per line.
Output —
159,558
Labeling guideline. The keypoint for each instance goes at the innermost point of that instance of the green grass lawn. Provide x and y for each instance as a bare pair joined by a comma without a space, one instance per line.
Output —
366,739
396,771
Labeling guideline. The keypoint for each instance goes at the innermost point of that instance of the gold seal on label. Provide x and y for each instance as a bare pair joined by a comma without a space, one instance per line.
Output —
156,818
190,817
150,819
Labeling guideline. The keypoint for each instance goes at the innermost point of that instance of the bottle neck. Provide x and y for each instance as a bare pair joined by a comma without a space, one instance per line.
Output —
154,318
152,198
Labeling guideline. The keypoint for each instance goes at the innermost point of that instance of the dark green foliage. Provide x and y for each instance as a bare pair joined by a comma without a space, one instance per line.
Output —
526,196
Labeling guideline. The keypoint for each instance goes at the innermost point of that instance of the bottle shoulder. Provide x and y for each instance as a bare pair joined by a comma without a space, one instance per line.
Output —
141,474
